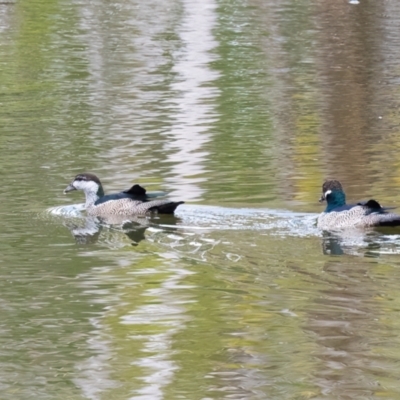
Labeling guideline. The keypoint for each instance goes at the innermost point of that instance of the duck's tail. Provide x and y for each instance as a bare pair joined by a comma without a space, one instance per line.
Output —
164,207
378,215
389,220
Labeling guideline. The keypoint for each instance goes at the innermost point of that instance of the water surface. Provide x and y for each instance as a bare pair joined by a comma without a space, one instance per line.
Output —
241,109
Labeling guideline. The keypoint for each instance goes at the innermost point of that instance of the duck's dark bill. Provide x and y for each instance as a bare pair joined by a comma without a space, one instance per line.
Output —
69,188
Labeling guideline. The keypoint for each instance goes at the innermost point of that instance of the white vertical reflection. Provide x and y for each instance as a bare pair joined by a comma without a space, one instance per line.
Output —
195,112
93,372
168,314
155,317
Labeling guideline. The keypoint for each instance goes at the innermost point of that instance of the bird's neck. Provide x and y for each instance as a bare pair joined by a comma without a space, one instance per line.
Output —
92,196
335,199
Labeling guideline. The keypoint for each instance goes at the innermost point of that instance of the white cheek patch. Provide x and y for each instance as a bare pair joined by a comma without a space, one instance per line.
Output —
77,185
86,185
92,186
327,192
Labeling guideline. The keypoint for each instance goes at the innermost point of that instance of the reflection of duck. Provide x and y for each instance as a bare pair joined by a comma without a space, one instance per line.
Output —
338,214
131,202
353,242
89,232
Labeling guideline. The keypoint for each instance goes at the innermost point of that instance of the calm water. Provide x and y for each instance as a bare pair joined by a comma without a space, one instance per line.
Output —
241,109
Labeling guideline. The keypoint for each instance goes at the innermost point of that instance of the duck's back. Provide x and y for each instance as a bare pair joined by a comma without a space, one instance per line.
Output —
136,192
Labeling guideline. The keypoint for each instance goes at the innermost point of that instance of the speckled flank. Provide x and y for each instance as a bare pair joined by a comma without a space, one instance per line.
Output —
126,207
356,217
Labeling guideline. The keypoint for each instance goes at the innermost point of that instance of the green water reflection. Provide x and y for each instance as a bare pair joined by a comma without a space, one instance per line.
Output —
241,109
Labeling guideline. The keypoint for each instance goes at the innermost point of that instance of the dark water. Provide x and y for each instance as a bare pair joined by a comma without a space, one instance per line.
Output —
241,109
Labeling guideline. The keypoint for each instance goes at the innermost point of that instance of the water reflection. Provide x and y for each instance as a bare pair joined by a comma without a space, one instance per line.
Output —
89,230
194,99
145,310
249,104
368,243
194,230
6,13
93,375
343,322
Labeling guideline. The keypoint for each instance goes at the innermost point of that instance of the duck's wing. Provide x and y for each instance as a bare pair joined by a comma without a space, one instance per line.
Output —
369,206
373,204
137,192
376,215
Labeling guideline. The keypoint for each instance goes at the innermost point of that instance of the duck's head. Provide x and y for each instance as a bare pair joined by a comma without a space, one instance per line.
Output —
333,193
332,185
89,183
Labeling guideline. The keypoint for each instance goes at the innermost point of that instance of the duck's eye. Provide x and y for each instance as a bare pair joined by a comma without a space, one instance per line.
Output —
327,193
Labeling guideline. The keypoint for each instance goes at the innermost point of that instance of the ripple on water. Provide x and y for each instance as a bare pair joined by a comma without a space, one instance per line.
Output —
71,210
194,227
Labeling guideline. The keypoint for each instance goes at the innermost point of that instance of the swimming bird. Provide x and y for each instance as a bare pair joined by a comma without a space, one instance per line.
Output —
128,203
338,214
